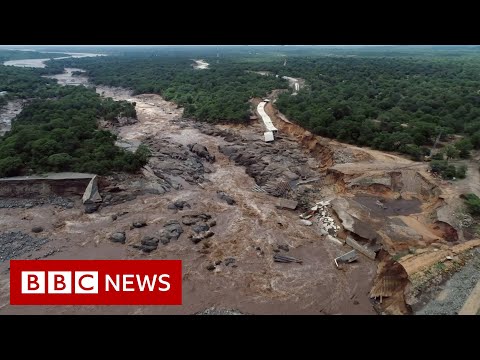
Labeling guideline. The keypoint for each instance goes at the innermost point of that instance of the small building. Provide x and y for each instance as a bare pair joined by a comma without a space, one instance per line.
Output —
269,137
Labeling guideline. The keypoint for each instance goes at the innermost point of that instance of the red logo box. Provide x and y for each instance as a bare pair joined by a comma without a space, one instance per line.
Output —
95,282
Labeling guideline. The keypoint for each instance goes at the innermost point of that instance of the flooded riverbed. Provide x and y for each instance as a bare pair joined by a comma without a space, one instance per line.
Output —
8,113
40,63
250,231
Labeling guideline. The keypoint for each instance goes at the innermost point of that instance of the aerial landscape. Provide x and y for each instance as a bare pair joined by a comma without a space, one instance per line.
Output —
309,180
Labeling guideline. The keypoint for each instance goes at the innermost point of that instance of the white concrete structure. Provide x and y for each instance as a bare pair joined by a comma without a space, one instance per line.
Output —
268,136
266,119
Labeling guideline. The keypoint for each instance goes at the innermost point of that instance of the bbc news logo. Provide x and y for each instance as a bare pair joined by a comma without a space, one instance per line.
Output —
95,282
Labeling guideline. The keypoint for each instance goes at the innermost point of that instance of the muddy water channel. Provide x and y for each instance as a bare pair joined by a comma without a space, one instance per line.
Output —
250,231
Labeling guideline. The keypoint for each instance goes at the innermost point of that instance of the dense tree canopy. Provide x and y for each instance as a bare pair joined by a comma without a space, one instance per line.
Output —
57,129
395,103
218,94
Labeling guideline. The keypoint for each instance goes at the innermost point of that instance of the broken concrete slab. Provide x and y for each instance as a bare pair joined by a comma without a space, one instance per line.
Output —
352,223
91,194
306,222
348,257
367,252
286,204
335,240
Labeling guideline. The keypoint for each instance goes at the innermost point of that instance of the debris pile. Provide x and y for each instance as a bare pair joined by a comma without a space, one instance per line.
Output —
320,213
285,259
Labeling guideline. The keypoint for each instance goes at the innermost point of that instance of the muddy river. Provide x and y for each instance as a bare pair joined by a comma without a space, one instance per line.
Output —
249,231
40,63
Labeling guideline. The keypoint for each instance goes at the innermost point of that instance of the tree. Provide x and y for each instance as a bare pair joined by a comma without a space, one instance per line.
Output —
464,146
10,166
475,140
450,152
473,204
60,162
461,172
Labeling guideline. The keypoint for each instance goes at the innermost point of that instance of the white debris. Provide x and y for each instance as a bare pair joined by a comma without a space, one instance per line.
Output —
320,215
306,222
334,239
449,258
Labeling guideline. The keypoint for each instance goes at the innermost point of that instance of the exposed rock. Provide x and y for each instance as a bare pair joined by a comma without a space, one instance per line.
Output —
118,237
211,267
37,229
91,208
14,244
212,223
286,204
114,217
193,218
229,261
149,243
306,222
223,196
190,220
283,247
198,228
199,237
91,194
139,224
171,231
201,151
178,205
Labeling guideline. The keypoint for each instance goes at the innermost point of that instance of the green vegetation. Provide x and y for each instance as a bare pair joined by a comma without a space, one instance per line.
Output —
218,94
393,102
473,204
26,83
397,104
448,171
440,266
58,130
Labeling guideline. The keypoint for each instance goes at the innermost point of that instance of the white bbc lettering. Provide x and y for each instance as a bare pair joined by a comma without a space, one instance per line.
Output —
115,284
146,281
59,282
33,282
127,282
86,282
166,283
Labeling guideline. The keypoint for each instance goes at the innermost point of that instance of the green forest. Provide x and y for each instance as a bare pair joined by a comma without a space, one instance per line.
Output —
57,130
218,94
392,103
389,99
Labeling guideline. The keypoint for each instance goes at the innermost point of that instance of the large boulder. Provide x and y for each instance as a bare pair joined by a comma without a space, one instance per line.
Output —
227,198
91,194
201,151
171,231
149,243
118,237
